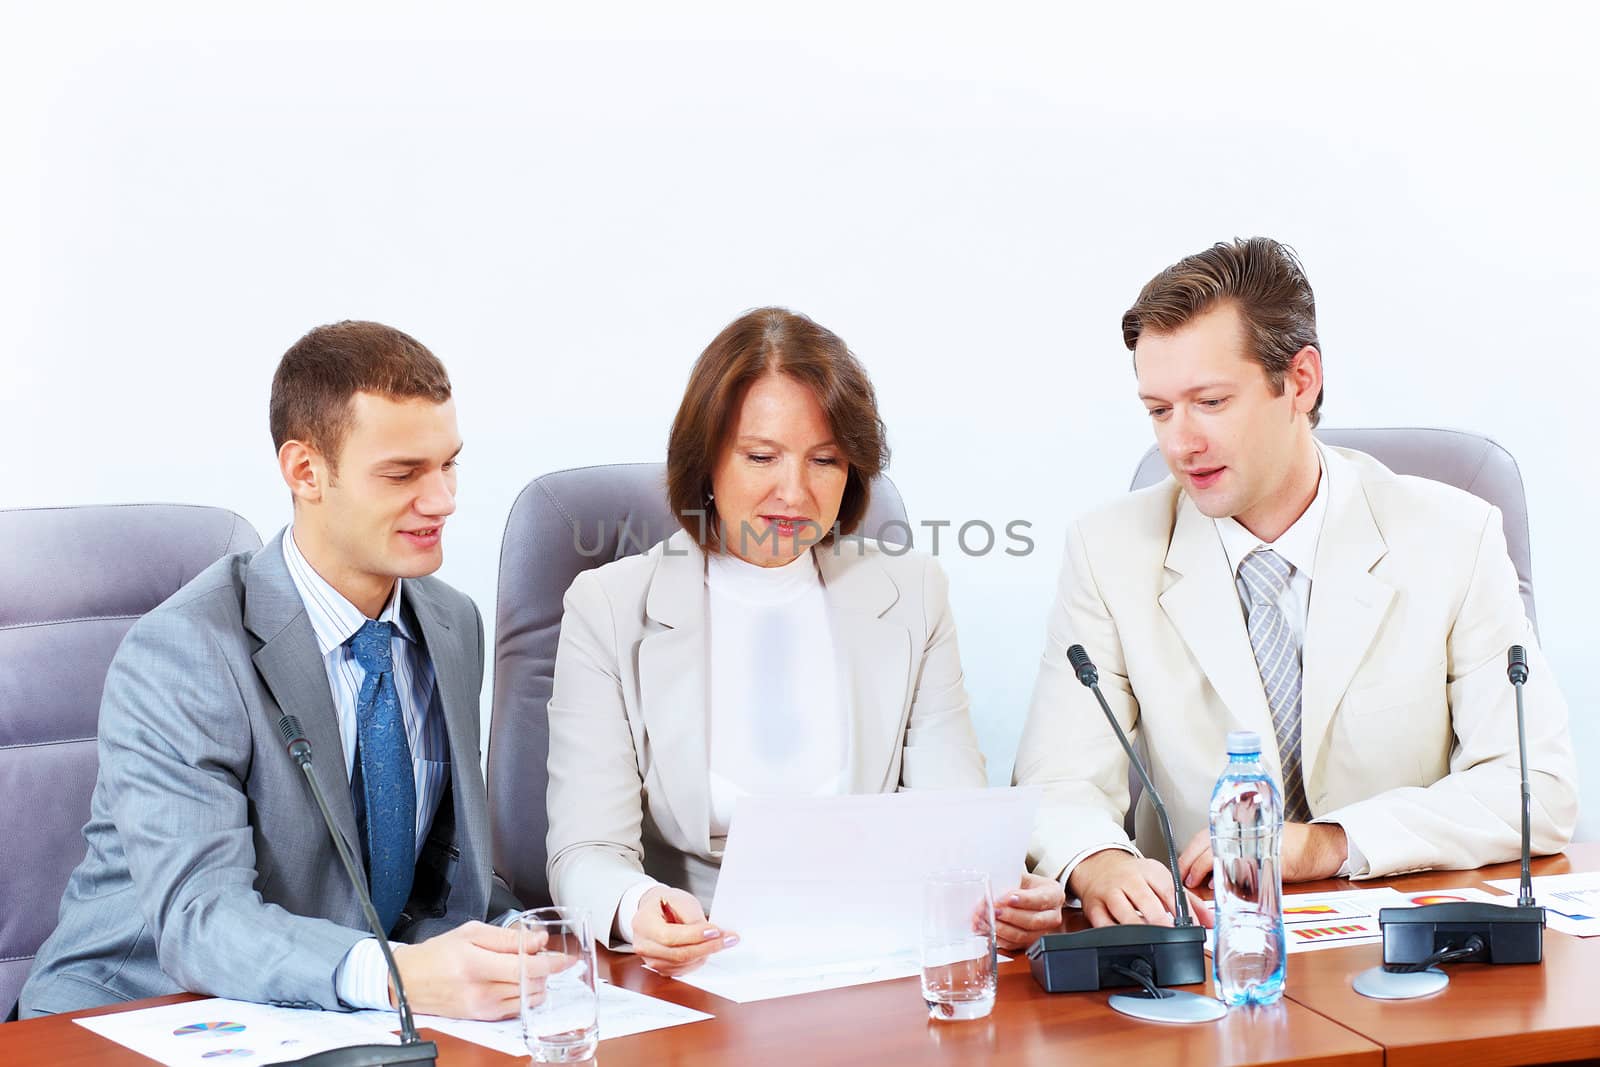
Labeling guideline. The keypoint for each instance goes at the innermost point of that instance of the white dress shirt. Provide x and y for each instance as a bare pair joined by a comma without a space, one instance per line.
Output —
776,719
362,978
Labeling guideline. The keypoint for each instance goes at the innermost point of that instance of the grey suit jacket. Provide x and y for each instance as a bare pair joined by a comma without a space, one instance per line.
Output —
208,866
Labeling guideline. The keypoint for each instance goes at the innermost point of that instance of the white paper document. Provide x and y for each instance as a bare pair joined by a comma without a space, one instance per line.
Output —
723,975
1315,921
1571,901
827,891
215,1031
622,1012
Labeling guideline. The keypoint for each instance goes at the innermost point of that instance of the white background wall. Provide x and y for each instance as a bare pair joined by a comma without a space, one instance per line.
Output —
566,205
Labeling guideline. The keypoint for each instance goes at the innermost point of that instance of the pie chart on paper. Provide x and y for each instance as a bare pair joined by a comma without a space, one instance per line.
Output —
209,1028
1437,898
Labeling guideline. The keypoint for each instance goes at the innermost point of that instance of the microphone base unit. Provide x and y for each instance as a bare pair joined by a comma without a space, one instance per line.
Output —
1087,960
369,1056
1509,934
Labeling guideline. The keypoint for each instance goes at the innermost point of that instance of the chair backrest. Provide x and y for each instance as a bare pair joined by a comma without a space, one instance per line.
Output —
562,524
1465,460
72,581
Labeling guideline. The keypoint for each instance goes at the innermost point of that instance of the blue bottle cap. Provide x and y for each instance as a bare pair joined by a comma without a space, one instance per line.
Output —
1244,743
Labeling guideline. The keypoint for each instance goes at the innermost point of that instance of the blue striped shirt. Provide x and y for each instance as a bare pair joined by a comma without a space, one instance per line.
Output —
335,620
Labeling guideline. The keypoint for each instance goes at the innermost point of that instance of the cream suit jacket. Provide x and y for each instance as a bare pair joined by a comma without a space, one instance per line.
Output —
1409,727
629,786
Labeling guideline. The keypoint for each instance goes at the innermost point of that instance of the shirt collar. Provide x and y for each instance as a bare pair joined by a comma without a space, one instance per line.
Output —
333,618
1297,545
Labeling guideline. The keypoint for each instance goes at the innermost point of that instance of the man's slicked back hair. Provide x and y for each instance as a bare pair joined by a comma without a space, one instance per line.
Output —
1257,275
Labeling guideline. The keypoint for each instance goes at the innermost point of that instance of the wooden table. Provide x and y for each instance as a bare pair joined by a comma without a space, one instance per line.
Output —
1487,1015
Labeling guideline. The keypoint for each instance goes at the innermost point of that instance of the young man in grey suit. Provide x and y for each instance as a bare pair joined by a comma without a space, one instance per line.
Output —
208,866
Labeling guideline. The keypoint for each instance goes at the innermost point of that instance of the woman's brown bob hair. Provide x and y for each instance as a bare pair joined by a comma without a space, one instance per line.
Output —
771,341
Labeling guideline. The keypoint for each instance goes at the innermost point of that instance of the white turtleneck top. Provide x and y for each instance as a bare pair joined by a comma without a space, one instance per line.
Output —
776,719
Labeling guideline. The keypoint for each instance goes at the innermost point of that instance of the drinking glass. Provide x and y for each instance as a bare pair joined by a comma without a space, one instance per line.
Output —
958,950
557,945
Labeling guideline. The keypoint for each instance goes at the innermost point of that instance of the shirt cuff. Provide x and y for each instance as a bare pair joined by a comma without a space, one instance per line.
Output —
629,906
362,978
1072,865
1355,864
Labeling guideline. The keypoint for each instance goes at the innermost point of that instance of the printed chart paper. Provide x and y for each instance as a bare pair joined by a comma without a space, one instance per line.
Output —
205,1032
623,1012
1571,901
1313,921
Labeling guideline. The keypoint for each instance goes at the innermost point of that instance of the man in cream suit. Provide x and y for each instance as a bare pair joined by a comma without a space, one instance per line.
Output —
208,867
1358,620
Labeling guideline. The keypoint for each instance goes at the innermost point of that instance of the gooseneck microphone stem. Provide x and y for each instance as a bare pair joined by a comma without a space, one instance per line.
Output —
1089,675
1517,671
300,752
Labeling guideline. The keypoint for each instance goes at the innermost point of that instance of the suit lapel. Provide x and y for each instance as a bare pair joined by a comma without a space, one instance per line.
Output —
1348,603
1203,604
874,658
290,663
672,678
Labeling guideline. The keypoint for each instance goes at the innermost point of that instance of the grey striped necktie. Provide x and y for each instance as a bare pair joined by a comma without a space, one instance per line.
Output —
1266,575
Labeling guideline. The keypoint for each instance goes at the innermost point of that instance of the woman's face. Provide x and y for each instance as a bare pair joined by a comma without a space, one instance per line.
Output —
779,483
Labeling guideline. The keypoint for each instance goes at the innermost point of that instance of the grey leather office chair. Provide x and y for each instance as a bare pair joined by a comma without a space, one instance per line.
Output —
1465,460
72,581
562,524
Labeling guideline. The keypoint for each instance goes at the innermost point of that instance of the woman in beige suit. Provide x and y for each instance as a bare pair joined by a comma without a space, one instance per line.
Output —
757,650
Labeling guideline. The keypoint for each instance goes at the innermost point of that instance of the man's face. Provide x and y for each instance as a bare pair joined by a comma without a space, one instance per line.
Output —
1228,438
382,516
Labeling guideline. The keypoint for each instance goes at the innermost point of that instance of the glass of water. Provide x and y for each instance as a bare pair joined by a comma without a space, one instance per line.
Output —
958,950
555,947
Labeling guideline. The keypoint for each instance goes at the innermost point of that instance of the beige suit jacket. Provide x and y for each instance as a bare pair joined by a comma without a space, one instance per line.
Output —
1409,728
629,786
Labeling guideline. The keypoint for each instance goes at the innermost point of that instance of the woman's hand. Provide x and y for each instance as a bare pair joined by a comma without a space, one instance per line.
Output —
671,934
1029,912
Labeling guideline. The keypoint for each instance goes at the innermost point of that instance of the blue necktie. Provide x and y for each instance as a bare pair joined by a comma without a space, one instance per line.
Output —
387,786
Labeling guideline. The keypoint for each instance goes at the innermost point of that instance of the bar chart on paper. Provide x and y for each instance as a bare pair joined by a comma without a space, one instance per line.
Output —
1571,901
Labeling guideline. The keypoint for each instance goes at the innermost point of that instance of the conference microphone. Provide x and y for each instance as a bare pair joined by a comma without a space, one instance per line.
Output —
1416,940
412,1049
1135,954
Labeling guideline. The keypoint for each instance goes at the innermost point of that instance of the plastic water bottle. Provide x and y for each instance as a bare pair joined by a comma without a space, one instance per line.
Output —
1247,881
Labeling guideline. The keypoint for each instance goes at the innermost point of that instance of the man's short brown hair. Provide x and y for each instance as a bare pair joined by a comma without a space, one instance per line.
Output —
319,376
767,341
1260,277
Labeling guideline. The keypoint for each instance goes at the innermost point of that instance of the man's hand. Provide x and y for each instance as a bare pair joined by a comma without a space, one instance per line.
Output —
680,944
1117,887
1311,851
1031,911
469,973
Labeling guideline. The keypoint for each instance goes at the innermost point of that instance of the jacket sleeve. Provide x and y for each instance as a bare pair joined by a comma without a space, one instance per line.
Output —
596,805
1067,747
1473,815
175,751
